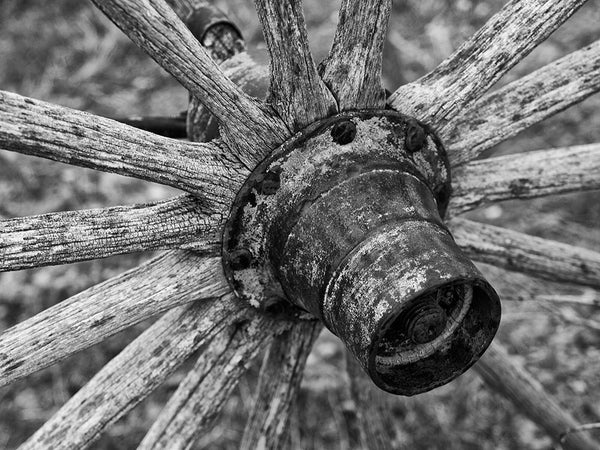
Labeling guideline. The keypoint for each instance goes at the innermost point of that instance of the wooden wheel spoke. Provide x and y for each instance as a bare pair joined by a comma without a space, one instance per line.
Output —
522,103
41,129
279,382
66,237
133,374
155,27
517,287
107,308
297,92
526,175
515,383
251,77
589,297
531,255
472,69
352,70
375,423
200,396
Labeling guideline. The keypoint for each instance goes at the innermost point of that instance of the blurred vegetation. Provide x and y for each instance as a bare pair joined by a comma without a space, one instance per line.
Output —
67,53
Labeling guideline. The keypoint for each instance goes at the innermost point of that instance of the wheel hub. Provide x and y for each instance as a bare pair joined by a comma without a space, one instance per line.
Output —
343,223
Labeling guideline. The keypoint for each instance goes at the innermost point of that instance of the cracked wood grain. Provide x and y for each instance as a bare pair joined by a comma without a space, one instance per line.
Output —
297,92
49,131
66,237
514,382
518,287
279,382
91,316
472,69
525,175
504,113
202,393
135,372
352,71
531,255
247,125
249,76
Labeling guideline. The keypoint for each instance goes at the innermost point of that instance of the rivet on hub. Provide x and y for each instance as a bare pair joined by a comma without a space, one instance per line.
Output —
344,132
240,259
415,137
271,181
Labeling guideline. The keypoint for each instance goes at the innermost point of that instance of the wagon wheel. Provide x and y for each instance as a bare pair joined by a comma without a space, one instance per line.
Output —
343,97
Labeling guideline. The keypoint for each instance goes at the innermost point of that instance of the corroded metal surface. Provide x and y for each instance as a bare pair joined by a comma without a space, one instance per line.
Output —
205,17
411,307
344,222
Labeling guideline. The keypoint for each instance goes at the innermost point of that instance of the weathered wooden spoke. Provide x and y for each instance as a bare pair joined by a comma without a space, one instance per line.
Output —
107,308
518,287
41,129
532,255
200,396
588,297
515,286
375,423
560,228
472,69
155,27
251,77
353,69
297,92
66,237
526,175
133,374
512,381
522,103
279,382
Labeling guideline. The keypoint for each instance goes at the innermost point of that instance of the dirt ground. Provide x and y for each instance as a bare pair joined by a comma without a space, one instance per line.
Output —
67,53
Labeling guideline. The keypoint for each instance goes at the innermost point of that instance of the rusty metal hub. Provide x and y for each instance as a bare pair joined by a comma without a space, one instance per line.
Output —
344,222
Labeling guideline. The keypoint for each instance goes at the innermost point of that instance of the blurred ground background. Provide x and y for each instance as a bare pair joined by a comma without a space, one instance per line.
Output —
67,53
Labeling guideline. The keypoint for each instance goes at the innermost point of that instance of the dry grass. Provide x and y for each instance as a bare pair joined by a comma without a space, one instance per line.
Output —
65,52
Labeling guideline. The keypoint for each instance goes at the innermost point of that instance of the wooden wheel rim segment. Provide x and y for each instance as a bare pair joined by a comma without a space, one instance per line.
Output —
343,223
